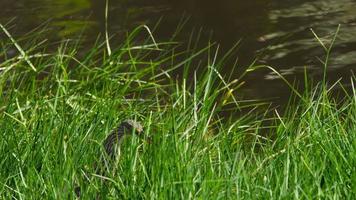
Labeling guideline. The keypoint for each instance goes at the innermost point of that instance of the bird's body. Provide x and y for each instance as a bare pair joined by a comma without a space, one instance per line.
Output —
111,145
112,141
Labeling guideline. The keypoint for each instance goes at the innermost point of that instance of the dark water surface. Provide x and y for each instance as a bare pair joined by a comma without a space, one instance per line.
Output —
277,32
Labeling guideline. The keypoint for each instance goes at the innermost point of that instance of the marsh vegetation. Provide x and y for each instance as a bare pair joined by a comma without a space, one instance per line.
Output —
57,109
65,87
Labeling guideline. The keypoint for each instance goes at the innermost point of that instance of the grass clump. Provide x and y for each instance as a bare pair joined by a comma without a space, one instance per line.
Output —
54,119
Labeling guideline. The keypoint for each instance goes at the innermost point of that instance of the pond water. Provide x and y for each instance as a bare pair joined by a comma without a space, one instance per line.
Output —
277,32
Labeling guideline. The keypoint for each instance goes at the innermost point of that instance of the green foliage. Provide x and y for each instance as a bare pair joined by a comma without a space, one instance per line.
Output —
53,120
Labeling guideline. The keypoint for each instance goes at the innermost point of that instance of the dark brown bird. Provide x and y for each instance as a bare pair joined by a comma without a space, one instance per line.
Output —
111,145
112,141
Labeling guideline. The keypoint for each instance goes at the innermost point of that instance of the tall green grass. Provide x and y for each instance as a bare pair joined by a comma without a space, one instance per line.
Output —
56,109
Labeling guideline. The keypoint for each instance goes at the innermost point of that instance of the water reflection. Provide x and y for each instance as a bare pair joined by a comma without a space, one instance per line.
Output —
321,15
64,17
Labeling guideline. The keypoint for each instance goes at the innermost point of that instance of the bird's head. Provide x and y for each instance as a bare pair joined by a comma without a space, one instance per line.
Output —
132,126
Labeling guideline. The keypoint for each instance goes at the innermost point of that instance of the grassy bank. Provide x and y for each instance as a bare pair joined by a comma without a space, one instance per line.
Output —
57,108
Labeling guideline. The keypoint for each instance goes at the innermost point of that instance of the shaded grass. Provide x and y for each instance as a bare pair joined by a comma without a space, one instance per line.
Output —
54,119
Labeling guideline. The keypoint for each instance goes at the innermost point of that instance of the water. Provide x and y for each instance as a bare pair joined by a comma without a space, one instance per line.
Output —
276,32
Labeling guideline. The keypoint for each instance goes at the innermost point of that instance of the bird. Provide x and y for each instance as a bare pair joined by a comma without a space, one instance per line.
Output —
111,145
112,141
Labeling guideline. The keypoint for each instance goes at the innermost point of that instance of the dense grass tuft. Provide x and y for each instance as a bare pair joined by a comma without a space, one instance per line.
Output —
54,119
